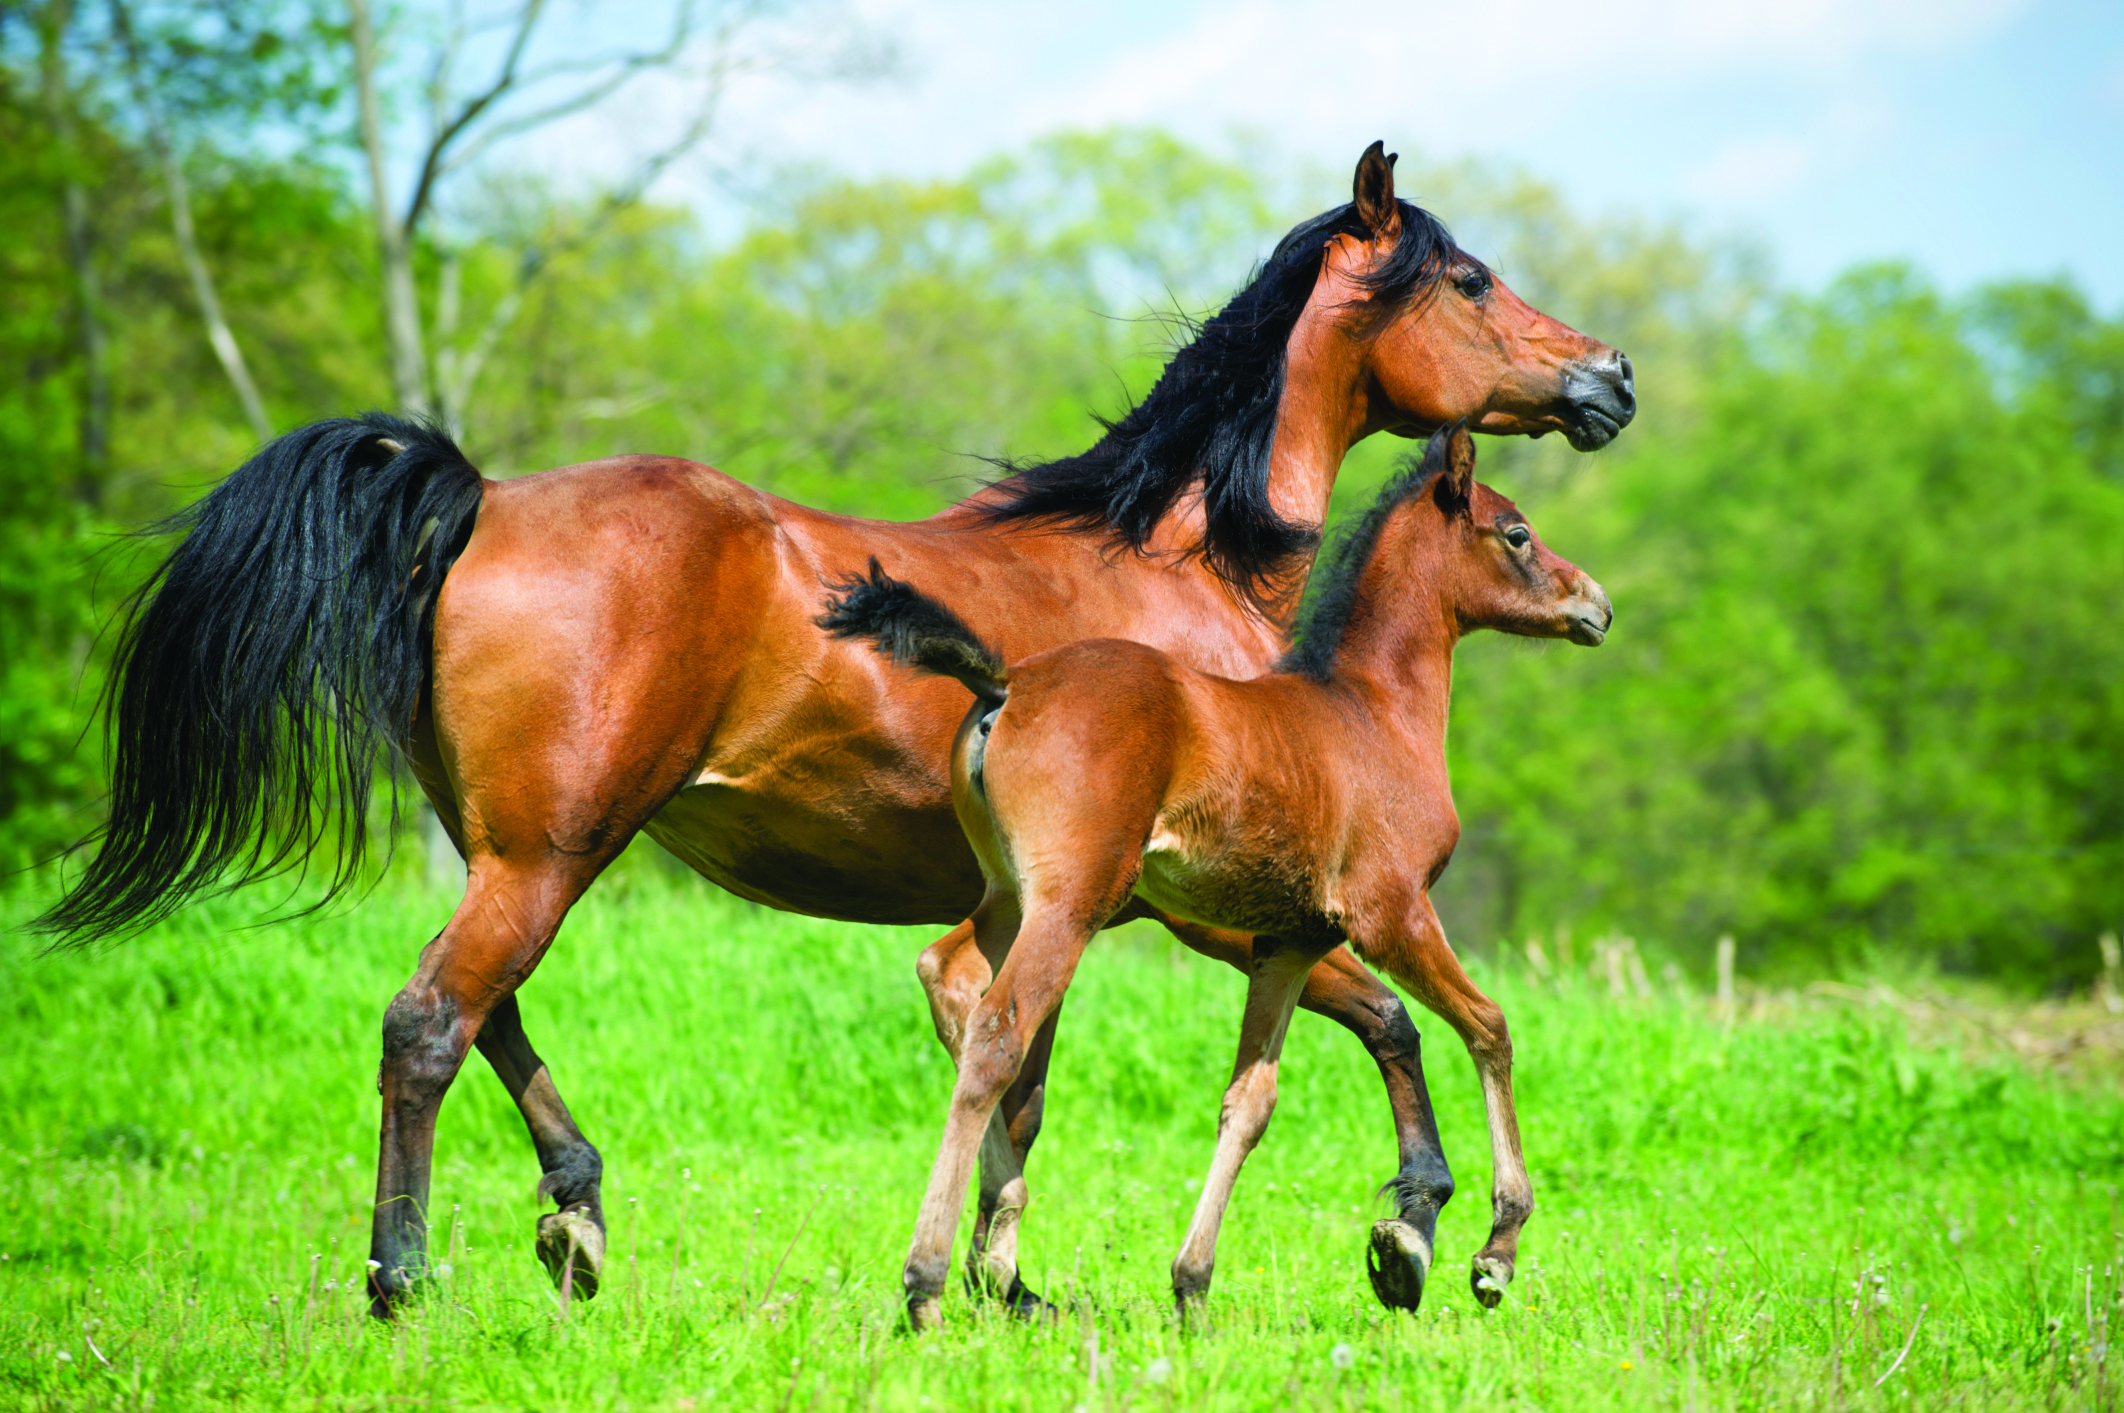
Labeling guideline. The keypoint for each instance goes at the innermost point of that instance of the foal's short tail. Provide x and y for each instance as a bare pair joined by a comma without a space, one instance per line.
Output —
915,630
268,661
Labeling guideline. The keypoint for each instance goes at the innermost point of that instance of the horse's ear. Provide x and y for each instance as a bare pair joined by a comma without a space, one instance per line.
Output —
1456,484
1373,191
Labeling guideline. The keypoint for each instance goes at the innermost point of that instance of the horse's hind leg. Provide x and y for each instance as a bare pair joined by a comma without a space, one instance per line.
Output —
575,1235
1275,980
1421,960
500,931
1342,989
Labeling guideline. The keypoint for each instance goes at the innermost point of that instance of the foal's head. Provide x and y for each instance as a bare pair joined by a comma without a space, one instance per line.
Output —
1439,549
1443,340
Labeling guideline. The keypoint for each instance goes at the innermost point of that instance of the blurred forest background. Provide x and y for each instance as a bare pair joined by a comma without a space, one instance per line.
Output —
1864,704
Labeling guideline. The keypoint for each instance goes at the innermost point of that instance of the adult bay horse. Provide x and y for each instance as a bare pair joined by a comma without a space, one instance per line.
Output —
571,658
1306,807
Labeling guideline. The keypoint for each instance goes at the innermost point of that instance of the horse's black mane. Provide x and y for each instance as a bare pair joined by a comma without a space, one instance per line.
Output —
1212,413
1332,594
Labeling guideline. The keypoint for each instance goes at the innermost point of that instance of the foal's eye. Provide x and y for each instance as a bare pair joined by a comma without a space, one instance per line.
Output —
1474,283
1519,537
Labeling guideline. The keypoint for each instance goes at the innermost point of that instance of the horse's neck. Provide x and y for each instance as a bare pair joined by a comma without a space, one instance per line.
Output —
1321,416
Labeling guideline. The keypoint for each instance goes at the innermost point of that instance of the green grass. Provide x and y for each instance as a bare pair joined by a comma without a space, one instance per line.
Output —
1751,1216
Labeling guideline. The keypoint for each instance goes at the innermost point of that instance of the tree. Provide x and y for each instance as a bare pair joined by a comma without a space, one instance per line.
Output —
710,44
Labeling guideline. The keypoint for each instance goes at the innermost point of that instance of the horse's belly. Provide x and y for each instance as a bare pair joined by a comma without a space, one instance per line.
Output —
1228,892
831,857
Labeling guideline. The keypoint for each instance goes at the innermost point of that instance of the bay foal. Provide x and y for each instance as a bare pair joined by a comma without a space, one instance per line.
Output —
1307,807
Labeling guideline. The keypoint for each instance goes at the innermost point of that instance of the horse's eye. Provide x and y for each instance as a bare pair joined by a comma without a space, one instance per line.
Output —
1475,283
1519,537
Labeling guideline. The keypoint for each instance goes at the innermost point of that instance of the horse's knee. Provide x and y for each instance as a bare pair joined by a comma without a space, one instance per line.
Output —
1392,1031
423,1045
988,1067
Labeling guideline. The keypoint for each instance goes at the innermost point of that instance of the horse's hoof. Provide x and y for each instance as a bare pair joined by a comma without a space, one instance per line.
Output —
571,1246
924,1313
387,1291
1489,1278
1025,1303
1399,1262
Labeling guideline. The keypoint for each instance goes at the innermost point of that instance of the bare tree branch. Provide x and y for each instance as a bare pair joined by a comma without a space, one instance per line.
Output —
627,68
219,334
439,144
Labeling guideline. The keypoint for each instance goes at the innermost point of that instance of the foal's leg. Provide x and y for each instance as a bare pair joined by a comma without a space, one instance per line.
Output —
955,973
1000,1036
576,1233
1420,958
1341,988
1274,982
500,931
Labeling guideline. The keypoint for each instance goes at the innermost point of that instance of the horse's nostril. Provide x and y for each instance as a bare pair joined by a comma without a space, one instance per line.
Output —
1627,393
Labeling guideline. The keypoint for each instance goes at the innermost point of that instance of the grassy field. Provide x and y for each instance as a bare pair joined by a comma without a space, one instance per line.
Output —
1804,1209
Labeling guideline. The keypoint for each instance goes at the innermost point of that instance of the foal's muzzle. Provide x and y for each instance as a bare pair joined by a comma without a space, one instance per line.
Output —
1587,614
1600,398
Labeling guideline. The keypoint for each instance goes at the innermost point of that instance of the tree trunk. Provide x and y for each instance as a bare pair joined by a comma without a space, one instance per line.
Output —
95,419
409,363
219,334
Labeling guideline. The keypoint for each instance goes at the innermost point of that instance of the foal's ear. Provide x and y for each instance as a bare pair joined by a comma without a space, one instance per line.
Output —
1456,484
1373,191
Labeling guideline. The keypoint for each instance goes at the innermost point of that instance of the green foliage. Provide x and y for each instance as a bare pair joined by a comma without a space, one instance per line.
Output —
1862,701
1862,693
1760,1215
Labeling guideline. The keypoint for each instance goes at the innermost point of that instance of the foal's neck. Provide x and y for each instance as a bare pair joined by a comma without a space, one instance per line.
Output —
1398,643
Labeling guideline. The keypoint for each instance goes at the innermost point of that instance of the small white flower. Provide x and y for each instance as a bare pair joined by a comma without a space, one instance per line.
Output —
1342,1356
1158,1370
443,1270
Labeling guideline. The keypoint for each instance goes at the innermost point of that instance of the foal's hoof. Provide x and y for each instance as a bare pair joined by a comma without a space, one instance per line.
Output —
925,1313
571,1246
1489,1278
1399,1262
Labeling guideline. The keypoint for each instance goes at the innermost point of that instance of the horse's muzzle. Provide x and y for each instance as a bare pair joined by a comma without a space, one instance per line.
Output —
1600,398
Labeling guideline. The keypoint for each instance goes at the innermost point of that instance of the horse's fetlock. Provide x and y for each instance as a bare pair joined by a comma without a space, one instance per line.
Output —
923,1278
572,1177
1424,1184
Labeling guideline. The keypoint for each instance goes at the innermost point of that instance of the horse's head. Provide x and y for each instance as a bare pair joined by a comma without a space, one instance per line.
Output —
1500,575
1443,340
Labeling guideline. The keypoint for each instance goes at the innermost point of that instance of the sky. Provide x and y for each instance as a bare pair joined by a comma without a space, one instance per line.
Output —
1975,138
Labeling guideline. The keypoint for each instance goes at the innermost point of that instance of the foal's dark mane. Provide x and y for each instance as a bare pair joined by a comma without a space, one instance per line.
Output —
1212,414
1332,595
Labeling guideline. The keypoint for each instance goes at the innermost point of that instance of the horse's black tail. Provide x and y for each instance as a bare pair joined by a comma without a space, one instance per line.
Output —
912,628
265,663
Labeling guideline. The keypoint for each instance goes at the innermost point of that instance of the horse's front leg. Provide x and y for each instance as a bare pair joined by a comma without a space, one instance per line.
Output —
1342,989
1419,957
